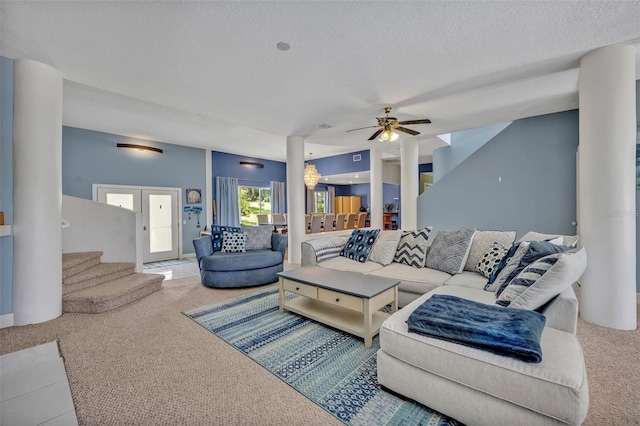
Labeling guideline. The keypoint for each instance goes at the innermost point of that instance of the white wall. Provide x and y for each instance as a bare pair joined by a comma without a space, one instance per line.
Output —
101,227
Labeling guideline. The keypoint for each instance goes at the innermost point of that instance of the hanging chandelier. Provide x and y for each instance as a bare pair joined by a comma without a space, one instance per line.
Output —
311,174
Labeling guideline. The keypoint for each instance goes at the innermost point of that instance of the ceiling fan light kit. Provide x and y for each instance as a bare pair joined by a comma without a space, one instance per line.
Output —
389,124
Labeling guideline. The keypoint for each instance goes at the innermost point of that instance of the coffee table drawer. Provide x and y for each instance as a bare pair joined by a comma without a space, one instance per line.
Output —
340,299
301,289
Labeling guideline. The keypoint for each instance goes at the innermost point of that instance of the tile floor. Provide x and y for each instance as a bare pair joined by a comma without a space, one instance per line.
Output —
34,389
176,271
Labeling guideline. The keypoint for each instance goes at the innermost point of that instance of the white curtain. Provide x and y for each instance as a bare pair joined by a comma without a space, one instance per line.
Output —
311,200
278,204
331,199
228,206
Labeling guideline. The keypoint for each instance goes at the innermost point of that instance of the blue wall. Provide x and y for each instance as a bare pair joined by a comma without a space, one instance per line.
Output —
90,157
342,163
228,165
463,144
6,182
536,159
364,191
637,191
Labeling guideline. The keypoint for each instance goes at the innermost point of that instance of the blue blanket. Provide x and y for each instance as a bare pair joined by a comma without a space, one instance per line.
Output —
504,331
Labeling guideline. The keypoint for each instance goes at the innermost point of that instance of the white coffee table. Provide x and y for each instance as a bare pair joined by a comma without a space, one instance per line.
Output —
348,301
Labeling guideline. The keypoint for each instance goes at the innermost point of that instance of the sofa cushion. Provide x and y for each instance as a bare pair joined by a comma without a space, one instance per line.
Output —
258,237
543,280
216,235
449,250
413,280
359,244
341,263
384,249
491,259
482,242
507,265
254,259
413,247
233,242
537,387
567,240
468,279
536,250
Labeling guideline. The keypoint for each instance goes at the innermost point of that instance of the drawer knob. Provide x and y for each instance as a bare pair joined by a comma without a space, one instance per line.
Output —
297,288
337,299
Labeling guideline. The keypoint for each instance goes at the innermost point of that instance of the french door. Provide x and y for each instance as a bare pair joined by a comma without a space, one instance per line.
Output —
160,220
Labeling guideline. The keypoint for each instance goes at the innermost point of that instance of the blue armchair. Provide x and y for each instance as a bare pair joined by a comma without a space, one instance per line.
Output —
246,269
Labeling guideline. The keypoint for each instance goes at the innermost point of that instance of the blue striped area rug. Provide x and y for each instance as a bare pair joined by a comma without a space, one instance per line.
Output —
332,368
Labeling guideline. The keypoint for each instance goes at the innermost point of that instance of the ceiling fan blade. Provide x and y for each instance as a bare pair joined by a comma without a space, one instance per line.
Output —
360,128
404,129
375,135
424,121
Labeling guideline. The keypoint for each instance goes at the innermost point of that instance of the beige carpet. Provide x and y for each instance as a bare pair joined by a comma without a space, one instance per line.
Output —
146,363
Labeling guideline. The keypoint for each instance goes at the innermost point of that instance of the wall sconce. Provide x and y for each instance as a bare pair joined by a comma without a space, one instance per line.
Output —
139,147
252,164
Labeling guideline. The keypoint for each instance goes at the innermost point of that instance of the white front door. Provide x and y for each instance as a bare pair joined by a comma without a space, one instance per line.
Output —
160,219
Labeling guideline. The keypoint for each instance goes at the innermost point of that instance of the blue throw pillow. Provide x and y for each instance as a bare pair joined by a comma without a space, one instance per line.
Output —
359,244
216,235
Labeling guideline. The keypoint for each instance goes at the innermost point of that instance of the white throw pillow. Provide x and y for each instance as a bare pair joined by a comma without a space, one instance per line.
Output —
385,247
567,240
543,280
482,242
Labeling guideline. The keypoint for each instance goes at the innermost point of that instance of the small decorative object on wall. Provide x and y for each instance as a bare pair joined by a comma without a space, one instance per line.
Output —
194,196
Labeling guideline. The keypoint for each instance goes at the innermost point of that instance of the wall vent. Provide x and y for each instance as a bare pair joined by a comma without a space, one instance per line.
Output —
357,157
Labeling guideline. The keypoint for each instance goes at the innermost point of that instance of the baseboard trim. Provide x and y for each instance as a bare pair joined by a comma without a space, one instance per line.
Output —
6,320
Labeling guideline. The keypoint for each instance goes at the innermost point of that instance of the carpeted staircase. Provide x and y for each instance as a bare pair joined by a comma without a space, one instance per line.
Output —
90,286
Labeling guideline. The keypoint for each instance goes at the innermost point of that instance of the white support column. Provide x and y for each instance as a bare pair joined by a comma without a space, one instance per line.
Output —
607,186
375,188
295,197
37,195
409,183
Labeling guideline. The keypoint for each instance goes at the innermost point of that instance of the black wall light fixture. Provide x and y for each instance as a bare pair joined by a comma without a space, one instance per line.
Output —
252,164
139,147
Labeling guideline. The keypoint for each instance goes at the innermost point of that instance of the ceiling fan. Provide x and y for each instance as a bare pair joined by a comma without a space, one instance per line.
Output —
389,124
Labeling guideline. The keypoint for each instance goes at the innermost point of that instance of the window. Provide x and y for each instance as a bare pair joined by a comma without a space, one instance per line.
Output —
253,201
319,201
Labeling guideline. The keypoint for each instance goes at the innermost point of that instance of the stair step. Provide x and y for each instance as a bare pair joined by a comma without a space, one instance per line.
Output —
97,274
111,295
73,263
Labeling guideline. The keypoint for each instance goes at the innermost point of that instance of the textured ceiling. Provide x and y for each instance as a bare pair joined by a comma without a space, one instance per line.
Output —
208,74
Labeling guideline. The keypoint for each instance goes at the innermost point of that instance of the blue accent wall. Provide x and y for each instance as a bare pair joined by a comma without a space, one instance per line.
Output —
425,168
389,192
228,165
6,183
90,157
364,191
463,144
536,159
342,163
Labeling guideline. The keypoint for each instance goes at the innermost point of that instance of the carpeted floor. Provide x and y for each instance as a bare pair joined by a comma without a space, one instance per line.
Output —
331,367
147,363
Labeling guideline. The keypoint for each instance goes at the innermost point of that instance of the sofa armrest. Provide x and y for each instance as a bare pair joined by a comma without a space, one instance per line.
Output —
279,243
321,249
203,246
562,311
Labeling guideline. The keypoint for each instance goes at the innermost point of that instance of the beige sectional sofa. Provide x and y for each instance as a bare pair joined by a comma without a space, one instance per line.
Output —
471,385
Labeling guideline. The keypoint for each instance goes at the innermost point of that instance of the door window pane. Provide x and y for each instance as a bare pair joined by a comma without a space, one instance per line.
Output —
120,200
253,201
159,223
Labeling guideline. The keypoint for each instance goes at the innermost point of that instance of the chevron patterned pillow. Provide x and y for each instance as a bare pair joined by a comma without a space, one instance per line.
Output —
412,248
